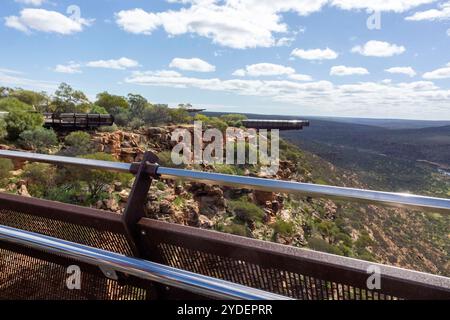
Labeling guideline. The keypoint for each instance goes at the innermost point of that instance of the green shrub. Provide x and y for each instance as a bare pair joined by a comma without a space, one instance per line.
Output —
3,131
234,228
165,159
6,166
327,228
160,186
39,139
364,241
213,122
246,211
136,123
225,169
112,128
112,104
40,178
323,246
282,227
78,143
98,110
156,115
179,115
20,121
179,202
98,180
233,120
67,194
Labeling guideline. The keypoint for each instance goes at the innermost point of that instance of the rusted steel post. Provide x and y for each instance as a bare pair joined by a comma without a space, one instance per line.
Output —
135,208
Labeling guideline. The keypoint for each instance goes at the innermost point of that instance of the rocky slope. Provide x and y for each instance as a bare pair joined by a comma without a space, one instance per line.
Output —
394,236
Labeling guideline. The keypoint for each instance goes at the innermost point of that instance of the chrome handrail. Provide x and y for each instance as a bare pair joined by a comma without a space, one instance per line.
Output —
403,200
142,269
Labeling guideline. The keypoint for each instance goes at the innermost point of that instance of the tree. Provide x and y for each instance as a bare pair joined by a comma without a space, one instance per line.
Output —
98,180
3,131
39,101
6,166
113,104
137,105
40,177
156,115
9,104
39,139
180,115
66,99
98,110
233,120
20,121
78,143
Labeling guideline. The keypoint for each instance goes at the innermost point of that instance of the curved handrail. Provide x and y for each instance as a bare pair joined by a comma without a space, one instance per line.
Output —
403,200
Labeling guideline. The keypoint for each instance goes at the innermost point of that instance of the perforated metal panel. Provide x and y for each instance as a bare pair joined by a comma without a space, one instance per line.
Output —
89,236
293,272
291,284
25,277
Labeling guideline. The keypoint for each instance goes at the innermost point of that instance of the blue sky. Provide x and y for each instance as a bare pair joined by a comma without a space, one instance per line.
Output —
295,57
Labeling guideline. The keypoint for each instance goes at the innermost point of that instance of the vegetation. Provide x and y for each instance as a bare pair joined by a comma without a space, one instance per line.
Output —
98,180
41,179
233,120
38,140
6,166
246,211
78,143
353,230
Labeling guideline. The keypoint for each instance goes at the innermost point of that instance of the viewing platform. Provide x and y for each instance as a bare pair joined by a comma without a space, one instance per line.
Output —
77,121
132,257
282,125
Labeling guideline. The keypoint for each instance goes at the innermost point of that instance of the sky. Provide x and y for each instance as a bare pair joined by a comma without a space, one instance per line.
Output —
346,58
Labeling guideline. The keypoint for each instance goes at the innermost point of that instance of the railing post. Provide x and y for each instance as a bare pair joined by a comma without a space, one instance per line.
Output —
134,210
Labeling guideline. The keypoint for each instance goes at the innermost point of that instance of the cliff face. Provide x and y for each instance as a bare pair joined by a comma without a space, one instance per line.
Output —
394,236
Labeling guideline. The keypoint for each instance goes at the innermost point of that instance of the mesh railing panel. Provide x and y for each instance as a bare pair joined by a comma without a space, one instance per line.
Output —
101,239
290,284
23,277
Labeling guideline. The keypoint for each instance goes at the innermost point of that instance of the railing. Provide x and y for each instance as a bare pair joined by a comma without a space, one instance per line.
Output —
112,262
404,200
170,251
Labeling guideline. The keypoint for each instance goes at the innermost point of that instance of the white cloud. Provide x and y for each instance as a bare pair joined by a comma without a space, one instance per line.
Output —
375,48
138,21
442,73
347,71
402,70
315,54
70,68
239,73
443,13
193,64
36,3
379,99
119,64
264,69
46,21
300,77
12,78
242,24
448,32
380,5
